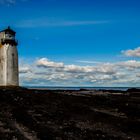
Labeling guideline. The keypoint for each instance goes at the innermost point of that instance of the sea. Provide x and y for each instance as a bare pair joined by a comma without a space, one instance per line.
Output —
78,88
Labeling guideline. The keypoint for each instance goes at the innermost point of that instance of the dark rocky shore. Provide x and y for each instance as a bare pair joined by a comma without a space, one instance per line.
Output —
69,115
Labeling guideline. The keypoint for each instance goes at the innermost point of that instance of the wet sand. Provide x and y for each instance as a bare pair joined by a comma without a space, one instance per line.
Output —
69,115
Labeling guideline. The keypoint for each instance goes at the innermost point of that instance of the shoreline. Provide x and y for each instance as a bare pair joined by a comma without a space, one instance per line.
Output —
85,88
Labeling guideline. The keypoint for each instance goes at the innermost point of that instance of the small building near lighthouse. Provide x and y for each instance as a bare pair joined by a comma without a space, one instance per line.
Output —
9,74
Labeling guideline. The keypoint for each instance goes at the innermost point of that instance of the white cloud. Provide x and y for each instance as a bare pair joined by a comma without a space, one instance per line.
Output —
131,64
44,62
46,72
50,22
106,68
88,62
78,69
133,53
24,70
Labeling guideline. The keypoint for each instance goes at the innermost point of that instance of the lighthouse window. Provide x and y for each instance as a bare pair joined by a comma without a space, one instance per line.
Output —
9,36
6,35
13,59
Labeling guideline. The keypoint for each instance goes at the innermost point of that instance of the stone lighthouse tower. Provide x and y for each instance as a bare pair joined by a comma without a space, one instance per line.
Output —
8,58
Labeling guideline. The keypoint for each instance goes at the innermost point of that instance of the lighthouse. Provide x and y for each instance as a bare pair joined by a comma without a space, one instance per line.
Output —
8,58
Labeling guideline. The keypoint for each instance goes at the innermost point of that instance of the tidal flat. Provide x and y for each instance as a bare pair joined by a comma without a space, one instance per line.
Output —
34,114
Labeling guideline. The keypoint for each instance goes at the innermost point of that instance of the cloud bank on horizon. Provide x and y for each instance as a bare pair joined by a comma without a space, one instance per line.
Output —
44,72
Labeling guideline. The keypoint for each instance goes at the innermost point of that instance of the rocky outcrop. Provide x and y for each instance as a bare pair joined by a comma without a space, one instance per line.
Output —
68,115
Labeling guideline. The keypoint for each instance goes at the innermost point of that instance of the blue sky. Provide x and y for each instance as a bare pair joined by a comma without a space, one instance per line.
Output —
80,34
